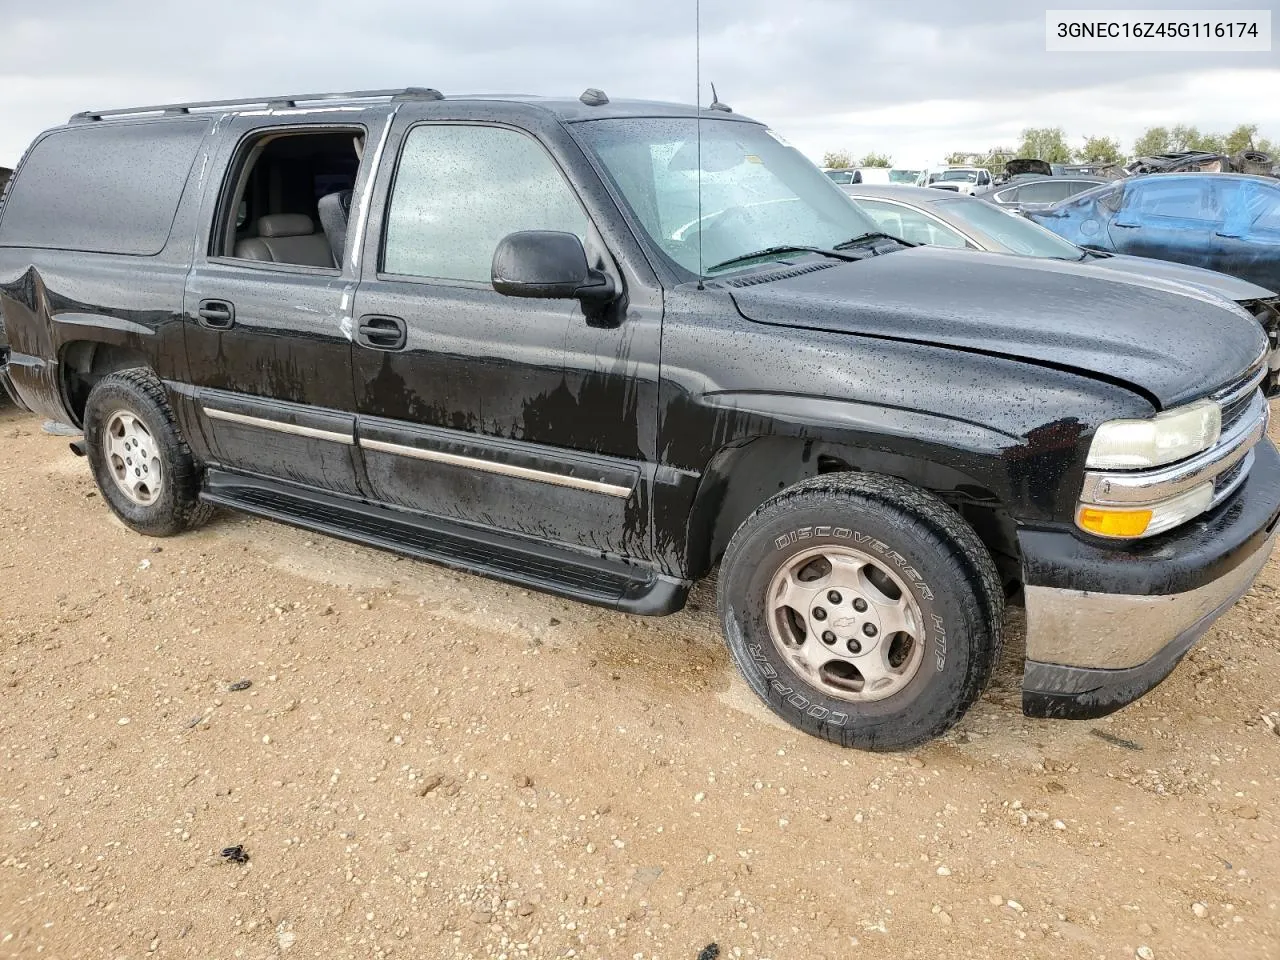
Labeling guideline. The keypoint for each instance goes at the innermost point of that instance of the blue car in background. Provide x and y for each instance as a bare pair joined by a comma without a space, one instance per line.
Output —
1222,221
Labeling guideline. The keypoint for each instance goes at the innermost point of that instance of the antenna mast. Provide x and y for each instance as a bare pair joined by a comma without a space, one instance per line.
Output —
697,61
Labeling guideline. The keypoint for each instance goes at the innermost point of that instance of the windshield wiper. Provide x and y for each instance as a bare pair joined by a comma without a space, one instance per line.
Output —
874,235
777,251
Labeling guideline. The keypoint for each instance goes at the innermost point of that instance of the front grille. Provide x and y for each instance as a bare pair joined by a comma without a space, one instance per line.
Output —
1224,484
1236,397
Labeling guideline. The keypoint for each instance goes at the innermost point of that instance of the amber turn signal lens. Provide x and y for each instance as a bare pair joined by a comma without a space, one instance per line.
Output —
1114,523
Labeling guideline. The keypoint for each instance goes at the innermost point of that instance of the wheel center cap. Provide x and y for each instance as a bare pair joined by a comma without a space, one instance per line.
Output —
845,621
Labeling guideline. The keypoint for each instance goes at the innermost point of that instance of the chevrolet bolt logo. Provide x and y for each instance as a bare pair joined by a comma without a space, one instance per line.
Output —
845,623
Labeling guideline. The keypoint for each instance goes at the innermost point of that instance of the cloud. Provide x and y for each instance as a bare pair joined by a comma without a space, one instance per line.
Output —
914,79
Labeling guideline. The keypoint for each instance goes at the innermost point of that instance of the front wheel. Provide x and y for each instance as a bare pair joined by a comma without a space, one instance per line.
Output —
862,610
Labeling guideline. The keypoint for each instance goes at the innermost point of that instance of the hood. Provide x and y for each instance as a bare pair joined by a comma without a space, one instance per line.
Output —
1164,339
1223,284
1028,165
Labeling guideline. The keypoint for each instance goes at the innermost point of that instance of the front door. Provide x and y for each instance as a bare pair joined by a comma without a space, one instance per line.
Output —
514,414
1167,218
269,353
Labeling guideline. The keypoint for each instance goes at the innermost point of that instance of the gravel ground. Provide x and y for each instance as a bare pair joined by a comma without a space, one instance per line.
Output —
430,764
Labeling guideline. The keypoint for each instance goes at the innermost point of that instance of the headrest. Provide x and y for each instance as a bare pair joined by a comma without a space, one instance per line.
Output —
285,225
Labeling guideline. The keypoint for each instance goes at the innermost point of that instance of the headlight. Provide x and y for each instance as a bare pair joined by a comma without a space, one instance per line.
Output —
1164,438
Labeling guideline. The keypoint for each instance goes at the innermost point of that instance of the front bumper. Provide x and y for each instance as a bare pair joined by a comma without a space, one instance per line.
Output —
1106,624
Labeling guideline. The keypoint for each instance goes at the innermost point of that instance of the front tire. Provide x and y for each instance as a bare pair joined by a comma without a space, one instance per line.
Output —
862,609
140,461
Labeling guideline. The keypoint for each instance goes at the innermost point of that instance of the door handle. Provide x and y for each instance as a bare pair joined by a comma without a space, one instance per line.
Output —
216,314
382,333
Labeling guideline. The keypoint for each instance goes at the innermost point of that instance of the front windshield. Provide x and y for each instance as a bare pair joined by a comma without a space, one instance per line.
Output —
840,176
969,175
903,176
757,191
1015,233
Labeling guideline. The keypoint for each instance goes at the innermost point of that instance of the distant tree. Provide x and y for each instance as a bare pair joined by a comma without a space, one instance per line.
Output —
837,159
1100,150
1155,140
993,159
1190,138
1245,137
1241,138
1045,143
996,158
876,160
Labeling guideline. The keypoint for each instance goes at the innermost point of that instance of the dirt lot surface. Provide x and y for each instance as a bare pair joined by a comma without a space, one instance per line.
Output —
428,764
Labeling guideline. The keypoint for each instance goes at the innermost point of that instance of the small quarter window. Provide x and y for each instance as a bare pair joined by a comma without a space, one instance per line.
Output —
460,189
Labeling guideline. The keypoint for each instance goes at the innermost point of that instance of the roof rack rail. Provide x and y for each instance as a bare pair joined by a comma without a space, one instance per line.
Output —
275,103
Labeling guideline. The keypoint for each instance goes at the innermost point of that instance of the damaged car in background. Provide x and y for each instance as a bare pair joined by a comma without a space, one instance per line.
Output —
1221,221
1201,161
1028,183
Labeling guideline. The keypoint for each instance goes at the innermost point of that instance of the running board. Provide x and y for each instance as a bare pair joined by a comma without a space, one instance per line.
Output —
502,556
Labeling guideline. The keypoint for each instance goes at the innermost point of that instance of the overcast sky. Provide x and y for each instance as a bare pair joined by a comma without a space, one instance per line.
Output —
915,78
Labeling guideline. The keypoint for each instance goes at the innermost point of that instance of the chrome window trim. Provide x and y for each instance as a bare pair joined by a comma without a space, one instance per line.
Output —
504,469
278,426
1139,487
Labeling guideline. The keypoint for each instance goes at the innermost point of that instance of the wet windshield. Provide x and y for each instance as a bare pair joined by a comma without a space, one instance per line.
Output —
757,191
1015,233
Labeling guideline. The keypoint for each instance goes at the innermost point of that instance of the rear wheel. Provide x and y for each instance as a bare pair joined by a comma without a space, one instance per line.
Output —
141,463
862,610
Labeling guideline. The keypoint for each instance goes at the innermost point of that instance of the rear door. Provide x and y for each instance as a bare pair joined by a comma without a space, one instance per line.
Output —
519,415
1249,238
267,311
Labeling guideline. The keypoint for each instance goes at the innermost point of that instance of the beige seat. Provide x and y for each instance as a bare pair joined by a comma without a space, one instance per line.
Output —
286,238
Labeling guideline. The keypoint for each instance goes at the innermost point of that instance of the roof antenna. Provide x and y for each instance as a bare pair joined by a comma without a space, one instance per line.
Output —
697,67
715,102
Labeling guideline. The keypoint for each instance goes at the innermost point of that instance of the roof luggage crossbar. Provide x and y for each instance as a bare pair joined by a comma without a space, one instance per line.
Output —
283,102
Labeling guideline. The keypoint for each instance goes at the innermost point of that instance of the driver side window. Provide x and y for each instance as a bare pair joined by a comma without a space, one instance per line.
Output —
460,189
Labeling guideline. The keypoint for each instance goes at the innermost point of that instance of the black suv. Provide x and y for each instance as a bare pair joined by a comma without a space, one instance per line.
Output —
600,348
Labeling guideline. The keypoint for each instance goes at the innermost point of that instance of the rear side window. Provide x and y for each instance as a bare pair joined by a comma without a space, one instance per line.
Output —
105,187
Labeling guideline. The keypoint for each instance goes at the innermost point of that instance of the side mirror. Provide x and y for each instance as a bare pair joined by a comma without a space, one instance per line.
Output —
547,265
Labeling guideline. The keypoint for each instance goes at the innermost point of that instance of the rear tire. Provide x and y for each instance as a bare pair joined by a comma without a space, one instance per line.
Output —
862,609
140,461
